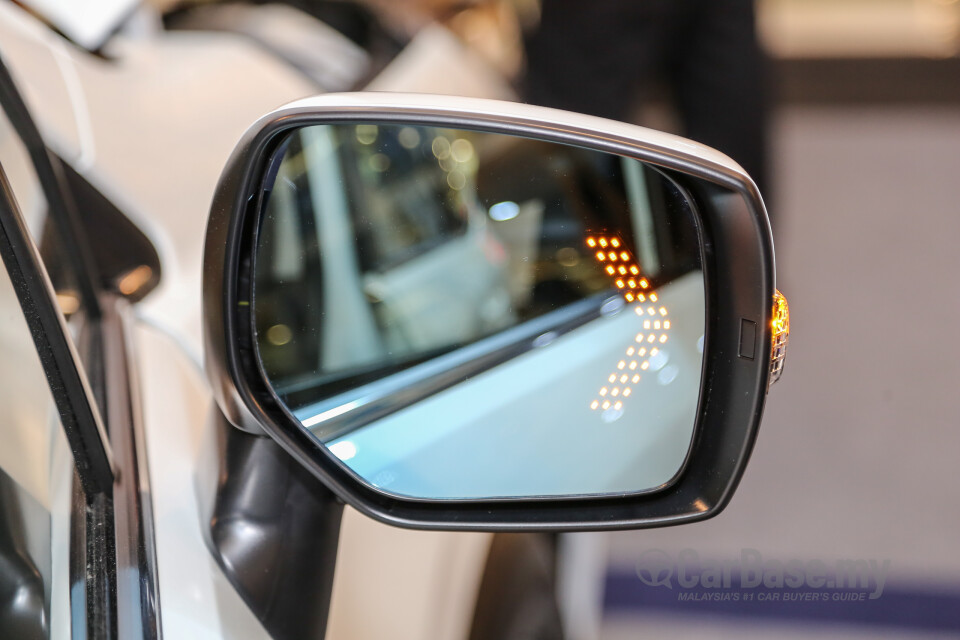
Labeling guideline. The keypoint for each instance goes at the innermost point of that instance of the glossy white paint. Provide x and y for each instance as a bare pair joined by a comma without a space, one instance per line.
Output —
152,129
196,601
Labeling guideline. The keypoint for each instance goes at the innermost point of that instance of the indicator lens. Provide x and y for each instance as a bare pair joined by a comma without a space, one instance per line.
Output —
781,334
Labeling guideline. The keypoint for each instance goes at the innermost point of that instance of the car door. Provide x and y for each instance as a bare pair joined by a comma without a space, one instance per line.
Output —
36,476
75,531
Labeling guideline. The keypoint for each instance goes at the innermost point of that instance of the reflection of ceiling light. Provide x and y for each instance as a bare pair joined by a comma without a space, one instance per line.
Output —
456,180
68,301
379,162
409,138
611,307
667,375
279,335
440,147
545,339
613,413
659,360
504,211
447,163
462,150
366,133
344,449
132,280
568,257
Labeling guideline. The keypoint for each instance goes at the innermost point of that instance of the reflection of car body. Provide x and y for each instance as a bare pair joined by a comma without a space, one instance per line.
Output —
149,126
536,390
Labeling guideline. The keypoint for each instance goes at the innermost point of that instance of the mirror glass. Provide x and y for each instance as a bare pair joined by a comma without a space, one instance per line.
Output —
461,315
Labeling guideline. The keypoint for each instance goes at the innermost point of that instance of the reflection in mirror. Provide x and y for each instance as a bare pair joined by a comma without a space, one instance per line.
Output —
462,315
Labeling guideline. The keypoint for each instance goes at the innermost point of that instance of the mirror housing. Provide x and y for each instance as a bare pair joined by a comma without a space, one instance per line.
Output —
739,277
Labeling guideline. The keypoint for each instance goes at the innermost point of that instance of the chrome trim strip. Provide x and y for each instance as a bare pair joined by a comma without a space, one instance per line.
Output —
138,599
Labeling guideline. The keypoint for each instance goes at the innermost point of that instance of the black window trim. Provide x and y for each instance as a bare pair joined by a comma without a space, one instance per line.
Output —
71,391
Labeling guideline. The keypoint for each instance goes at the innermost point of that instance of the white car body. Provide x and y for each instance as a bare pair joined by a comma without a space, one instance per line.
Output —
151,129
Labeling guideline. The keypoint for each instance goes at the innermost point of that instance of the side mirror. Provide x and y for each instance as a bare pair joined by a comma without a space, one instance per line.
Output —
467,314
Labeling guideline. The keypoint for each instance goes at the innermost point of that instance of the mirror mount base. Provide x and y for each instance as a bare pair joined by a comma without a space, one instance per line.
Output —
272,526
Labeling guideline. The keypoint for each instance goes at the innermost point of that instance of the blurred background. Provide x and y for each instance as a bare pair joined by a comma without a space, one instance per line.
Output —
853,459
847,113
